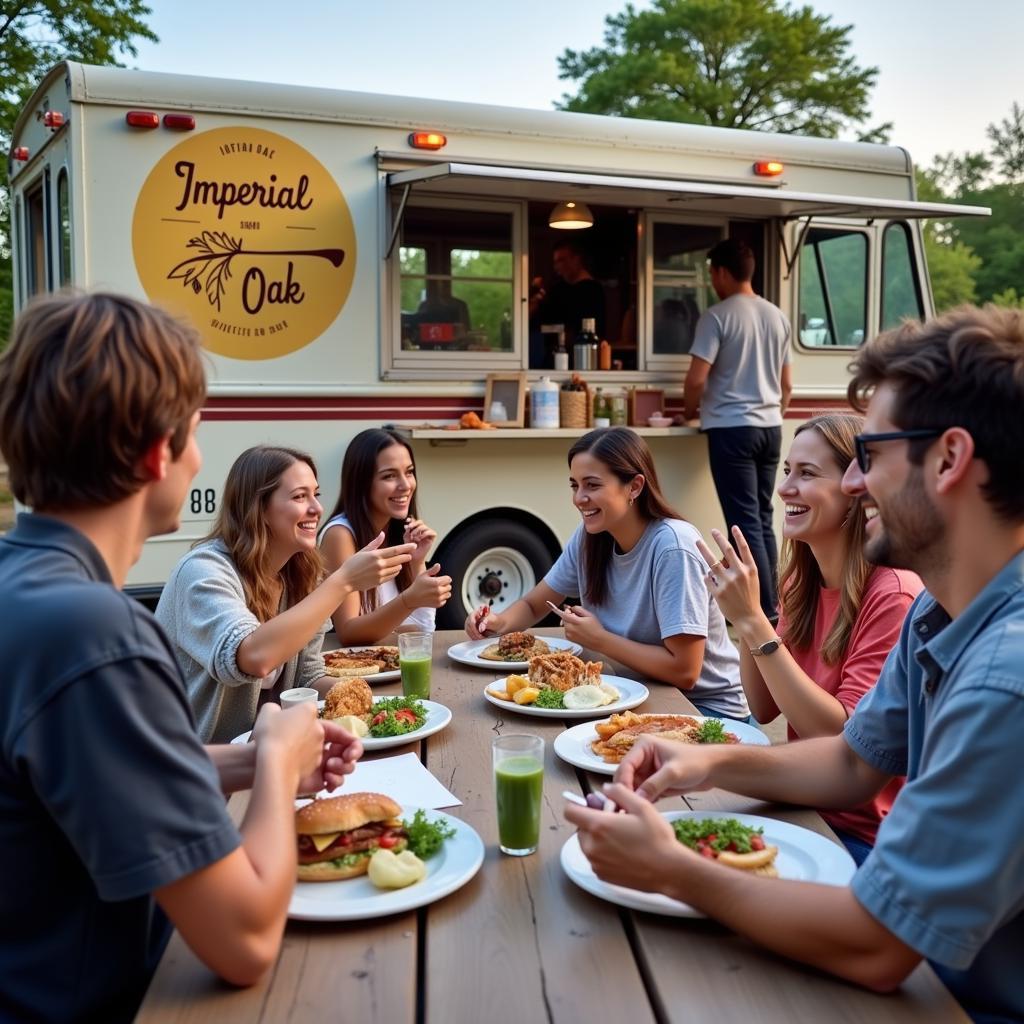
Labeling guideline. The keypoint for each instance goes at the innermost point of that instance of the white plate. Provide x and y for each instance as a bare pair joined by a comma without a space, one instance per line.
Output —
379,677
354,899
631,693
438,716
468,653
803,856
573,745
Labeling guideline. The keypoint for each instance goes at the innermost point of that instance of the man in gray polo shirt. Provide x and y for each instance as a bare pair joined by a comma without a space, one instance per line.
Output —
113,824
739,377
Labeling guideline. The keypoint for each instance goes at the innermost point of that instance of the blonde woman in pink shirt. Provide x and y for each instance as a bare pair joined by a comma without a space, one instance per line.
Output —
840,615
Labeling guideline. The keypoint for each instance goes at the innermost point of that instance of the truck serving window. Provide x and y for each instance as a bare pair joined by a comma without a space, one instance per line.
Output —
456,280
901,293
833,288
680,288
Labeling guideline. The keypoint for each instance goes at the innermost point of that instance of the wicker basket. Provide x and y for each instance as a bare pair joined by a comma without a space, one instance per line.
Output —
574,409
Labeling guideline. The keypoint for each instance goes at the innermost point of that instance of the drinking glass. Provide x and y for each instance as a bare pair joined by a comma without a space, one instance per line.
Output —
415,651
298,695
519,788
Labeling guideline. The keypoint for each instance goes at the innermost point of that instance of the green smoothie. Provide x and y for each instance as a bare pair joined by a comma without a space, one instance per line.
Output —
519,783
415,676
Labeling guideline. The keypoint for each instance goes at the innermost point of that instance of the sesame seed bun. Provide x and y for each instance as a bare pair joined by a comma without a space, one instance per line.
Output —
344,813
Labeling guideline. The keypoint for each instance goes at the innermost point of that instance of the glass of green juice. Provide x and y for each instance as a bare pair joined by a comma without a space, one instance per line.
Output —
415,651
519,788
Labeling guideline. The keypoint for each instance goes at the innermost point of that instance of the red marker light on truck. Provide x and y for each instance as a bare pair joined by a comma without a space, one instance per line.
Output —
768,168
427,140
179,122
20,154
53,119
142,119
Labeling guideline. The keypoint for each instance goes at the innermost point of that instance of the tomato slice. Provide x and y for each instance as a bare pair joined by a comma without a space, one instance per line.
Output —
406,715
379,717
387,840
756,843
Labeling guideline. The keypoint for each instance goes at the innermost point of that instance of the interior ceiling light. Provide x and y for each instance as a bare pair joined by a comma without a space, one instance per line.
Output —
571,216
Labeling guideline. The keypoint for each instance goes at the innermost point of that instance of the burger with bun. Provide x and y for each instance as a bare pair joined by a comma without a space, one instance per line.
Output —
337,836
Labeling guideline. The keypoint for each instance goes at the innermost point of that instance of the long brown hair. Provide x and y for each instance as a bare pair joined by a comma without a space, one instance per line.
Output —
358,470
800,577
625,455
242,526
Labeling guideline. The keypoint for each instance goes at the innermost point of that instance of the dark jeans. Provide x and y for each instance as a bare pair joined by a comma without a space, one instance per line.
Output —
855,846
744,463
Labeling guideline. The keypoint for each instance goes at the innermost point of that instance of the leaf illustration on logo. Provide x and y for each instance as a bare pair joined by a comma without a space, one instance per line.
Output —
216,251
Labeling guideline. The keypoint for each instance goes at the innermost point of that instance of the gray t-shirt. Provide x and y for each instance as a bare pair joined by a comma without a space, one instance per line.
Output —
746,340
106,794
657,590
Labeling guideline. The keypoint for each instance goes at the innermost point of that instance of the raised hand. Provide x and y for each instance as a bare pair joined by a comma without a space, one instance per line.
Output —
429,589
296,731
482,623
732,579
417,532
339,754
373,565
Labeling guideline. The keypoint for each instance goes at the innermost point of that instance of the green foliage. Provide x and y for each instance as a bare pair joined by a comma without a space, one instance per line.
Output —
730,63
34,37
951,266
1007,140
1009,298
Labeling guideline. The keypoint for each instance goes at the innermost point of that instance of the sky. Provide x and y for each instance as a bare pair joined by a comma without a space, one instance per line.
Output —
946,68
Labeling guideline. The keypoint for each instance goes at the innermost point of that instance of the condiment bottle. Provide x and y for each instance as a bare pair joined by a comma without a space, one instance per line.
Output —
602,413
604,355
561,353
587,337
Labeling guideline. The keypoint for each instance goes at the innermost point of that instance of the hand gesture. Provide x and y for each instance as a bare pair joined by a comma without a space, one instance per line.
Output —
373,565
417,532
582,627
656,768
637,848
482,623
338,758
296,732
732,579
428,590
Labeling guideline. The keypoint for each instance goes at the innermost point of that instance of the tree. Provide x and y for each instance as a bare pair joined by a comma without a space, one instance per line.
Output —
33,37
1007,139
728,63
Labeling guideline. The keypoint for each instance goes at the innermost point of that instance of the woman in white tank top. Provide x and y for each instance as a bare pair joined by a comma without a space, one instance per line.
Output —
378,492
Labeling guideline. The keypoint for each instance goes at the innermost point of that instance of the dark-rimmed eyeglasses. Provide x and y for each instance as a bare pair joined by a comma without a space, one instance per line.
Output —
861,442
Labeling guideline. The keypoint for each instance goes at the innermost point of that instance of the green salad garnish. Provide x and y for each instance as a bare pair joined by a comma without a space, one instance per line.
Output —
396,716
717,833
550,698
712,731
427,837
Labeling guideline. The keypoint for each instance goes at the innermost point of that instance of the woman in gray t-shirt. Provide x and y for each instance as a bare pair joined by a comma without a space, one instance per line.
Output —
634,563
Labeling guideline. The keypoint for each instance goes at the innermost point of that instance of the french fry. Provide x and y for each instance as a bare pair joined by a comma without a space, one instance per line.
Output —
527,695
500,694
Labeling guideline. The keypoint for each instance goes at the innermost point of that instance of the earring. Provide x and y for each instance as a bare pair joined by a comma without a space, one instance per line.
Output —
631,500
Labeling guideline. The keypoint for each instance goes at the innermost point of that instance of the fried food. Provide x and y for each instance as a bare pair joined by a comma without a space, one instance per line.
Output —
519,646
563,671
348,697
615,738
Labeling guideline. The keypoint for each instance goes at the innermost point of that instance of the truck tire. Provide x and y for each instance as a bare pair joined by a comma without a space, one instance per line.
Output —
494,562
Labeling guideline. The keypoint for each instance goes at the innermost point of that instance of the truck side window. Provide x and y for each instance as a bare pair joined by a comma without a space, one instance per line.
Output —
901,294
833,288
35,238
456,280
64,226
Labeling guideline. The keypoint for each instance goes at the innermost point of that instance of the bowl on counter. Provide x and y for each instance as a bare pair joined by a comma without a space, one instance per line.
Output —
658,420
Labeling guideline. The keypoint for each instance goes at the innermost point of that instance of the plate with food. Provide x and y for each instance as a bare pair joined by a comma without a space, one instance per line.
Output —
361,855
744,842
600,746
374,664
380,722
560,685
512,651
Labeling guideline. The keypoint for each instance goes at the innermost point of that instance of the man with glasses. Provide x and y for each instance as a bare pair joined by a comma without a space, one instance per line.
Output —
938,477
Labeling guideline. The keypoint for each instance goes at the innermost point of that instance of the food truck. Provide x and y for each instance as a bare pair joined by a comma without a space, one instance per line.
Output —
353,260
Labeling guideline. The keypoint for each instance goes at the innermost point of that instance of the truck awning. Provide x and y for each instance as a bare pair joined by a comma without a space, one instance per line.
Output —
612,189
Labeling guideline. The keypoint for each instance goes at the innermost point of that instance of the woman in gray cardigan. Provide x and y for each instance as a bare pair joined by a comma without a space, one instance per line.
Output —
247,608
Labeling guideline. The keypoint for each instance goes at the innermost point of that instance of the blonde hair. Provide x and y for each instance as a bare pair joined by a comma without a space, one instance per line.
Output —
242,527
800,578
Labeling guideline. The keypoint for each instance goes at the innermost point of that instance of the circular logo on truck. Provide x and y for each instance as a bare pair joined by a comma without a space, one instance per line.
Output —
247,234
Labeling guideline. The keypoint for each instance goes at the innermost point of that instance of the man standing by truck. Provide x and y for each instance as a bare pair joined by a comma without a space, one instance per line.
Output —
739,378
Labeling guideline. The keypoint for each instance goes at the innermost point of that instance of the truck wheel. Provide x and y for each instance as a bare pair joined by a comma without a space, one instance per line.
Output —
493,562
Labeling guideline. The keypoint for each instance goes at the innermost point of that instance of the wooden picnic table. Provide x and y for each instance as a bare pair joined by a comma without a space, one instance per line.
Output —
520,942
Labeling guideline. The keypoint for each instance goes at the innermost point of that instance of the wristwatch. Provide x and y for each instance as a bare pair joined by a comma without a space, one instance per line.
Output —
769,647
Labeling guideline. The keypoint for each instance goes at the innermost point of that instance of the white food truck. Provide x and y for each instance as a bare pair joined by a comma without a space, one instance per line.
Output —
354,260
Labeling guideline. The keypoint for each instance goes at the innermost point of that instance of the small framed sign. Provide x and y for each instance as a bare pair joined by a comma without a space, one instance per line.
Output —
644,403
505,399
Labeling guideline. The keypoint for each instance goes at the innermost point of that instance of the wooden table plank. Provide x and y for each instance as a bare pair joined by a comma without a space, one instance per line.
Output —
520,939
